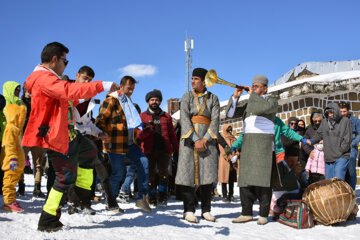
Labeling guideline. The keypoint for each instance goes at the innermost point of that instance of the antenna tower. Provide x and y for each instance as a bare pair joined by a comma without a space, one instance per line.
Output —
189,46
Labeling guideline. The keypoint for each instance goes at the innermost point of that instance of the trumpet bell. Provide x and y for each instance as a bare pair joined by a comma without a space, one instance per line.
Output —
211,78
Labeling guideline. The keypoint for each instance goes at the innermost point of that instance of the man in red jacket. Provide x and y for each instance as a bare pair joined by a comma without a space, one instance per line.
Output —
51,126
158,143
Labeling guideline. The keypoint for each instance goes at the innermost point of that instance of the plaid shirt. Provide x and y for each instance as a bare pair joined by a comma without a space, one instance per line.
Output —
112,120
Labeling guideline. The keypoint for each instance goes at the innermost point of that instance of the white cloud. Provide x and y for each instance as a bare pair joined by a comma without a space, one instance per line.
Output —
138,70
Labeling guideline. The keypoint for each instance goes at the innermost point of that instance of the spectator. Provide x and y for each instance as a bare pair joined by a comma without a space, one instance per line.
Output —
335,131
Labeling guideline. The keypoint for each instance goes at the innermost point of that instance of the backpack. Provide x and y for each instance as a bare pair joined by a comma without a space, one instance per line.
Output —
296,214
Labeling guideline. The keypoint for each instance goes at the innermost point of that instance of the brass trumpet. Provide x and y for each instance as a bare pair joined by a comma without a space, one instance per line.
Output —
211,78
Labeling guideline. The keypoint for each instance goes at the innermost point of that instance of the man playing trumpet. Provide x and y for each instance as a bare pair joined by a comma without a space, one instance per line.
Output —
257,156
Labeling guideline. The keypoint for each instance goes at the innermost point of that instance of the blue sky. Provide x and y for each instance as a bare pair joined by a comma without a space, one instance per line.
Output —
238,39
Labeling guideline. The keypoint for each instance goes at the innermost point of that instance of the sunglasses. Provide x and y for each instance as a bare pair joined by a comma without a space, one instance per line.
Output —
317,121
293,123
65,61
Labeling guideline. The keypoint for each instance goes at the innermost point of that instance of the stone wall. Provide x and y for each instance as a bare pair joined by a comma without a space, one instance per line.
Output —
302,107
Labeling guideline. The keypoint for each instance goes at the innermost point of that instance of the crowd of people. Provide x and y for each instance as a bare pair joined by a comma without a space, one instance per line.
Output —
53,125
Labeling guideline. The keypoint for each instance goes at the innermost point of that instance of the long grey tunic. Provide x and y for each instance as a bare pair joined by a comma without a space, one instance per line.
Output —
256,161
207,161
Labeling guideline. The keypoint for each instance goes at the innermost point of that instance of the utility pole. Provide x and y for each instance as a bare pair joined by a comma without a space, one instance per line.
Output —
189,46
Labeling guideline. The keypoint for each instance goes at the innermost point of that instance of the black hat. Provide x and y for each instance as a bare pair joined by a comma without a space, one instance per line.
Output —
199,72
153,93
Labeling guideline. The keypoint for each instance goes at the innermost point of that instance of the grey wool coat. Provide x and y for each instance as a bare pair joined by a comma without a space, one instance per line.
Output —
257,166
198,168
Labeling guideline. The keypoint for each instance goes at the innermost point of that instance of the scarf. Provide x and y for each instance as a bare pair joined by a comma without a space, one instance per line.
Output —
133,119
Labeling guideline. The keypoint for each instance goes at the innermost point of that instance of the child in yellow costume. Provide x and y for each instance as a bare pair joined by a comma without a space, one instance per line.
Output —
12,155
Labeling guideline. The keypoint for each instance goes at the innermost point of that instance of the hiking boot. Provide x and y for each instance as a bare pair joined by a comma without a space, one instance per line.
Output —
242,219
87,210
124,197
21,189
37,191
208,217
190,217
13,207
262,221
143,204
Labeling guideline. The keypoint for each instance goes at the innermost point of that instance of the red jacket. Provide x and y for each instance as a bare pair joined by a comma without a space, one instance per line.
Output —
49,107
167,132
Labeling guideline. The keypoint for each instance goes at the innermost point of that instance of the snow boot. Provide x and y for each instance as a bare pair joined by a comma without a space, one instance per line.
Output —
21,189
37,191
50,223
143,204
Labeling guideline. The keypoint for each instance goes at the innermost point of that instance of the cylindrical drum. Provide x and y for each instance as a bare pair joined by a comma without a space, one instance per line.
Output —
331,201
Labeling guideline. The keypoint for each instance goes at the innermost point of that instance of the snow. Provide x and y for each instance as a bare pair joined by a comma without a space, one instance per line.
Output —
321,79
320,68
160,224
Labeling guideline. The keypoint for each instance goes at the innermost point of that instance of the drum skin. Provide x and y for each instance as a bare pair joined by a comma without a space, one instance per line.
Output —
331,201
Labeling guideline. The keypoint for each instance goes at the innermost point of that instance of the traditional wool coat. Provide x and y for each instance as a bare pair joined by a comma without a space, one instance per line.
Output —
198,168
257,161
224,160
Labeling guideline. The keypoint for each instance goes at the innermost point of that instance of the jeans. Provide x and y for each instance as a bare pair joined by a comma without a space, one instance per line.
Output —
336,169
136,157
352,167
129,178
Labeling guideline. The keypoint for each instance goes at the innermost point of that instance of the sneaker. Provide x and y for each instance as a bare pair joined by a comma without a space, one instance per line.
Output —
87,210
242,219
262,221
123,197
232,199
225,199
13,207
115,209
208,217
143,204
190,217
162,204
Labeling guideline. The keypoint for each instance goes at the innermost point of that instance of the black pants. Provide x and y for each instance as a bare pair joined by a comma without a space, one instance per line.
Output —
189,198
232,179
248,195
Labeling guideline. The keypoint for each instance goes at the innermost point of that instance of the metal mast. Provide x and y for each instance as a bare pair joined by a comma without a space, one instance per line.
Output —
189,46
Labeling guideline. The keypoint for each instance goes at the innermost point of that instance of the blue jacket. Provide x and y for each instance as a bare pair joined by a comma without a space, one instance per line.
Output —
355,127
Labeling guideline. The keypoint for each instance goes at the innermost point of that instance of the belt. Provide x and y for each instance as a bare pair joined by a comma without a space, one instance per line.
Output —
201,119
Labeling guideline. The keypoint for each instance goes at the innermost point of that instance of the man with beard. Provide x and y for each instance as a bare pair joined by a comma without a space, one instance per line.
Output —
158,143
335,131
355,128
198,154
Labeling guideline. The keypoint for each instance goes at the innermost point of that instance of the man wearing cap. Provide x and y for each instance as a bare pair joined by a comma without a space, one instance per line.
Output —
257,156
198,154
158,143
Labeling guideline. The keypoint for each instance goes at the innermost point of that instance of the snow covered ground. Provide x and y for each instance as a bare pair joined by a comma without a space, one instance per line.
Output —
160,224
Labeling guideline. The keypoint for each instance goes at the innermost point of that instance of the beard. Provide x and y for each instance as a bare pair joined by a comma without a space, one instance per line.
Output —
154,107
